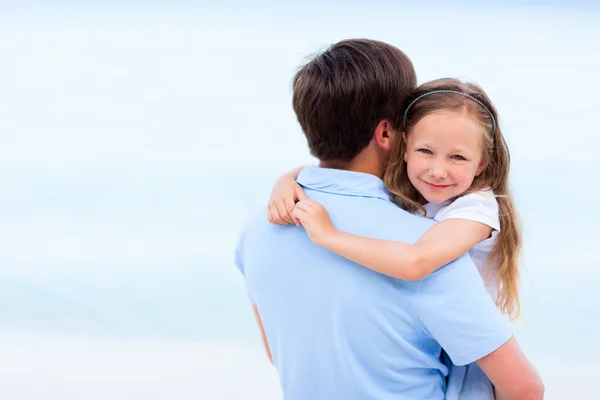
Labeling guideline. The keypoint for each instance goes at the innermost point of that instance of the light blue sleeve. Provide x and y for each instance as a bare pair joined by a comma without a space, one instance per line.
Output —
239,261
457,311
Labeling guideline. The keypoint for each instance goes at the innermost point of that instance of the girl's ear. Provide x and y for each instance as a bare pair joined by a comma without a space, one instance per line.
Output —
404,143
481,169
484,163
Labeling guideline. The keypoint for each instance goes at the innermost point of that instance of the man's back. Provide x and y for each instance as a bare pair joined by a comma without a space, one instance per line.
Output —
339,330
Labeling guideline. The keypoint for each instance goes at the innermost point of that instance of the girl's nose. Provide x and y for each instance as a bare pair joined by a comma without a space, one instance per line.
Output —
438,172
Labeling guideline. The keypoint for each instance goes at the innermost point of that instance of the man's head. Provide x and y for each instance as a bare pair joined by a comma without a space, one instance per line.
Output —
344,94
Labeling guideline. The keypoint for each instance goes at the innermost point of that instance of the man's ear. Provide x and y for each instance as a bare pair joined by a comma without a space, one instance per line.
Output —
384,134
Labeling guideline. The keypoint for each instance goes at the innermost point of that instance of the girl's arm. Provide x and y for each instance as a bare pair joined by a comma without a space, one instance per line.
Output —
441,244
283,198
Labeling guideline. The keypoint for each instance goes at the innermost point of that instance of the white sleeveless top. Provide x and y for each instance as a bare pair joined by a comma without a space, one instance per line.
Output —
480,207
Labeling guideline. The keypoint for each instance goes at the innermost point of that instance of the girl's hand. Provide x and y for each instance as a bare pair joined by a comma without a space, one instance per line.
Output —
315,219
283,200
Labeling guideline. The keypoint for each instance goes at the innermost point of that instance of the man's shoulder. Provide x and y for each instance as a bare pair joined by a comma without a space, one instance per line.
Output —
392,215
255,216
455,271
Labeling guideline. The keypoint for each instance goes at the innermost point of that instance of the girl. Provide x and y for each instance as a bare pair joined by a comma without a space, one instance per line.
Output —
450,163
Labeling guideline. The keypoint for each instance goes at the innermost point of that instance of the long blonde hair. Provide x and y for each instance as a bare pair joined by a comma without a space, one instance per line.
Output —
505,254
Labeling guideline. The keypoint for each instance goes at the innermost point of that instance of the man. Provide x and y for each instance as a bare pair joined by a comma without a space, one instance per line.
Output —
336,330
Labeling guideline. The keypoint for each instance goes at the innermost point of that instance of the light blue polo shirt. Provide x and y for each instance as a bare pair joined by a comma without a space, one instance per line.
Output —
337,330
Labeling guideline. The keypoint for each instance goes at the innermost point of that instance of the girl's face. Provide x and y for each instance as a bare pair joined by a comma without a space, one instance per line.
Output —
444,153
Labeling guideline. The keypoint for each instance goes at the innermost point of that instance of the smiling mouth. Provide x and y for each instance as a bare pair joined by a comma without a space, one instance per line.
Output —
434,186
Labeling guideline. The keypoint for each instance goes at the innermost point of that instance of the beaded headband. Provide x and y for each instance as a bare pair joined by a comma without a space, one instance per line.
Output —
454,92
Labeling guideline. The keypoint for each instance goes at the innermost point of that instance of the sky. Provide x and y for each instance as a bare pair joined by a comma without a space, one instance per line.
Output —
135,138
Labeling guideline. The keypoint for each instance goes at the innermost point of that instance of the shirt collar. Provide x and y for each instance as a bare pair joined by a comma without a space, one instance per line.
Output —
342,182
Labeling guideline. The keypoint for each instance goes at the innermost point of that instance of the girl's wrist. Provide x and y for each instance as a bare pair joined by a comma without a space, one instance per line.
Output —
327,238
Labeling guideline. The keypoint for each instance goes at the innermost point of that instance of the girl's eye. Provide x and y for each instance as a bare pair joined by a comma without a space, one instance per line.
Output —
457,157
425,151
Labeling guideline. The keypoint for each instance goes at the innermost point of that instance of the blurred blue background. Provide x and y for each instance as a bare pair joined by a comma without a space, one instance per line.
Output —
135,136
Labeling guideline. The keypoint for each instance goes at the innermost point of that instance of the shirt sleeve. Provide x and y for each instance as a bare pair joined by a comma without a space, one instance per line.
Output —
479,207
238,259
457,312
239,262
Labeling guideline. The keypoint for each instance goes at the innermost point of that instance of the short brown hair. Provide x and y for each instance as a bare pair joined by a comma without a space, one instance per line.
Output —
341,95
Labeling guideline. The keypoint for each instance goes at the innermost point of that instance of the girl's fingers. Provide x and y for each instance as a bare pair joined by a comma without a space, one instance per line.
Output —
274,216
305,204
311,202
300,195
300,206
270,214
289,206
297,214
283,213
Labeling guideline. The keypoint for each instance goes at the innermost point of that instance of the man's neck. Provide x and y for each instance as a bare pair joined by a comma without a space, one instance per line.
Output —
366,165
